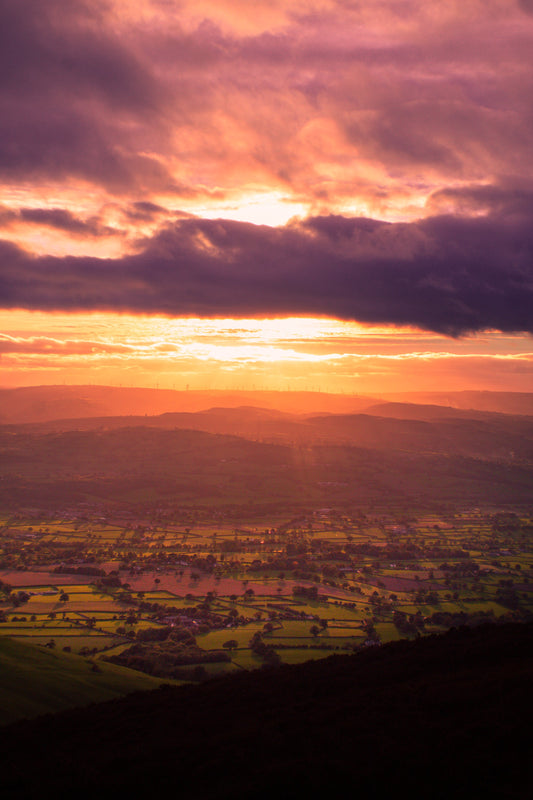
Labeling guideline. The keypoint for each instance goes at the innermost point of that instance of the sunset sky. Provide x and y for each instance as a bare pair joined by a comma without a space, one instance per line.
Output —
321,194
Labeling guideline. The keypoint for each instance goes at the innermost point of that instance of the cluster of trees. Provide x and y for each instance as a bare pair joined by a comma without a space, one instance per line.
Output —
507,595
460,618
162,651
408,624
19,598
266,651
309,592
84,569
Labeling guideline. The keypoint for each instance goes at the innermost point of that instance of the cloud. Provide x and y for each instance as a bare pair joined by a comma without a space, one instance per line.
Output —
46,345
526,5
337,104
71,93
63,220
508,198
446,274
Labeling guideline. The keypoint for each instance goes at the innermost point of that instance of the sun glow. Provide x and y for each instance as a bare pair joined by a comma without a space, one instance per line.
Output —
260,208
296,352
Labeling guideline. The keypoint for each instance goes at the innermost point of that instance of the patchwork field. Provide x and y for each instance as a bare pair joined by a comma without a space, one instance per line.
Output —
202,597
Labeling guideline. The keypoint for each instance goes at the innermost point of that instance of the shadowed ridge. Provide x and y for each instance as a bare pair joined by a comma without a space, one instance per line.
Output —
445,715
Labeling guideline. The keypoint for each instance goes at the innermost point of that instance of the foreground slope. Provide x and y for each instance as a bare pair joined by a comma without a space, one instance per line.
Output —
446,716
36,681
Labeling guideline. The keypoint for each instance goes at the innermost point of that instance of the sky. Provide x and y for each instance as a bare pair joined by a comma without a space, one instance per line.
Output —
321,194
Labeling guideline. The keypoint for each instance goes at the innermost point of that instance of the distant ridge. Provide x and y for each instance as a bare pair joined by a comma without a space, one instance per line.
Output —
427,412
501,402
46,403
387,427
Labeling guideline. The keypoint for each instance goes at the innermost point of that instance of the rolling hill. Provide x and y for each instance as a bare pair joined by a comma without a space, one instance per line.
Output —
373,460
43,403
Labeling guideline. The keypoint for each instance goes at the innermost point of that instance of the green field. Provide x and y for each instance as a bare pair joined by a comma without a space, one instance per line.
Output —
377,577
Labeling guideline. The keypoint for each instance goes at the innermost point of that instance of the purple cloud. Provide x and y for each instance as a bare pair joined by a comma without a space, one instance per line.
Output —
430,95
443,273
71,89
63,220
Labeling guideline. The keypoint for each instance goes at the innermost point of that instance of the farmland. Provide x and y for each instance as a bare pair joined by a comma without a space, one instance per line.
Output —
189,600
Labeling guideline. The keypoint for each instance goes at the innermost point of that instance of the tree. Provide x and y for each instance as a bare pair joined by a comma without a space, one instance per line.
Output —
314,630
231,644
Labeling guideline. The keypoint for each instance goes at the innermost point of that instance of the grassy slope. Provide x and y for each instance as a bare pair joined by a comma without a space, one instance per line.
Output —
36,681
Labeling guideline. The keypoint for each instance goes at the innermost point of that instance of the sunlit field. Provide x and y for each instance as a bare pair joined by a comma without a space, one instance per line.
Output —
269,589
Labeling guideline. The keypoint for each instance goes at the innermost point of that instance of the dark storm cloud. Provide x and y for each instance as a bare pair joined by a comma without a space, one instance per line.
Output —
67,47
507,198
444,273
69,91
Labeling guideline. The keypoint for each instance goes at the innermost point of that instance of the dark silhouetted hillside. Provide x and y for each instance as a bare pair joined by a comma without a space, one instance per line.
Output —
441,717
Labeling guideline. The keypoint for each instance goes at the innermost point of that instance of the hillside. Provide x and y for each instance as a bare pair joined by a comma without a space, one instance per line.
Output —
43,403
500,402
36,681
46,403
401,427
430,412
347,460
443,716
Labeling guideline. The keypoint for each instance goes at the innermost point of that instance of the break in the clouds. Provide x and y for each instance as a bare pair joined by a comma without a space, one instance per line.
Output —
269,354
139,139
443,273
